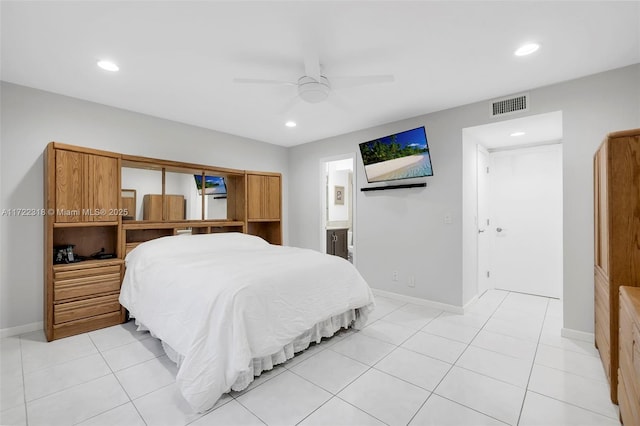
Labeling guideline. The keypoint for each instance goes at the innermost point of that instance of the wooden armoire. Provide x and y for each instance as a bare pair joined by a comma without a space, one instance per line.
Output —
617,239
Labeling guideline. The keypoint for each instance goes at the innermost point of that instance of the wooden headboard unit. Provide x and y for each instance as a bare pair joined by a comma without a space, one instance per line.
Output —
87,217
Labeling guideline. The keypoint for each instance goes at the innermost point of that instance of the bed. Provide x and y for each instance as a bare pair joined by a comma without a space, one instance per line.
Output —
229,306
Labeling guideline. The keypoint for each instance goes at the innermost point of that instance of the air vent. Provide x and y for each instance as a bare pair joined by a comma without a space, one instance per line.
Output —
510,105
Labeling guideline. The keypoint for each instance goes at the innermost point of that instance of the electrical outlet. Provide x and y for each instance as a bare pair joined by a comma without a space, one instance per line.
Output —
412,281
395,276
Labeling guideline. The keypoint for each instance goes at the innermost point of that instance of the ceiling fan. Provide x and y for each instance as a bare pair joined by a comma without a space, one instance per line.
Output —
314,87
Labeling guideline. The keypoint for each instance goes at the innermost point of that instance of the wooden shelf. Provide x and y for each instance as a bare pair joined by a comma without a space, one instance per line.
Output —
60,267
83,224
141,224
170,165
405,185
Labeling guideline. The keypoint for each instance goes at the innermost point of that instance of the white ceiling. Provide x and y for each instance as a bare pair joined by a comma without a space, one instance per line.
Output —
535,129
178,58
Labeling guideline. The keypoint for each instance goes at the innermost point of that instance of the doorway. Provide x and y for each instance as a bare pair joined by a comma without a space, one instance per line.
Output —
337,228
519,204
526,205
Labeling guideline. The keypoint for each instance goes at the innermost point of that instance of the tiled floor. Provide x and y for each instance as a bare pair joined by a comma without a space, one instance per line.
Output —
503,362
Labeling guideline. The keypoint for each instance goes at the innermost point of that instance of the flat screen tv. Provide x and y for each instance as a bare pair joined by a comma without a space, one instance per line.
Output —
213,185
402,155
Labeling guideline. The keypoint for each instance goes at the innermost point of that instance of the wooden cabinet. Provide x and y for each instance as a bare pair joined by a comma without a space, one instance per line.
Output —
86,187
337,242
616,236
264,201
82,194
152,207
69,184
629,353
103,188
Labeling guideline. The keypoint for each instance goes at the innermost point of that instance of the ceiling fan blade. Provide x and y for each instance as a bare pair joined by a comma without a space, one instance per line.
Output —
290,104
312,65
363,80
338,101
261,81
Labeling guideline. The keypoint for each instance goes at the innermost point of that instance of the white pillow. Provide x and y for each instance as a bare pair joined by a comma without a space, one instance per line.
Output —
186,245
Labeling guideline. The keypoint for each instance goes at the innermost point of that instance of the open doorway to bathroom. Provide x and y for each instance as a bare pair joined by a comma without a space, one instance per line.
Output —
338,206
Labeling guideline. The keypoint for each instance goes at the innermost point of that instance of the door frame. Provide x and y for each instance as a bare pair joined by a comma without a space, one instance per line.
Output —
471,136
324,194
481,289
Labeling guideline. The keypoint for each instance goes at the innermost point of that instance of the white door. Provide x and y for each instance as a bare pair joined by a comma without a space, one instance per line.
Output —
526,225
483,221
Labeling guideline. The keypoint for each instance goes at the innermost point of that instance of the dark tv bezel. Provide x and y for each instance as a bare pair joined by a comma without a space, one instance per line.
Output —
215,194
424,130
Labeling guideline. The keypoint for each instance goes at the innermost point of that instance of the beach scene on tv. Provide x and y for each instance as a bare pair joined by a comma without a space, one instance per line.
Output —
212,184
400,156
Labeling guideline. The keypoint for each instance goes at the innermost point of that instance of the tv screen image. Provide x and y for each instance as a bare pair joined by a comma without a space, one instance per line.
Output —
402,155
213,185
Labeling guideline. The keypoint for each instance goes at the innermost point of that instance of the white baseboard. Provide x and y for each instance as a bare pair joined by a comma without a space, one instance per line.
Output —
419,301
577,335
21,329
473,300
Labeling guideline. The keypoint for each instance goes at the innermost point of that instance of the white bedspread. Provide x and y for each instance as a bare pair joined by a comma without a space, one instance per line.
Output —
220,300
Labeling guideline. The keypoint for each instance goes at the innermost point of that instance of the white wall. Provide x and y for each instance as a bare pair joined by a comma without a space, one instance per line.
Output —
399,229
404,229
31,118
216,208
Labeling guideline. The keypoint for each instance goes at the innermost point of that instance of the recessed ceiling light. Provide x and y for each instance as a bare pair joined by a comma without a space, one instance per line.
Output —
290,124
517,134
108,65
527,49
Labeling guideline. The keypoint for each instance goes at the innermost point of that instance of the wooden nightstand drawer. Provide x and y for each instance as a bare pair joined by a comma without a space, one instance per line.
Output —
85,308
81,270
86,324
86,286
